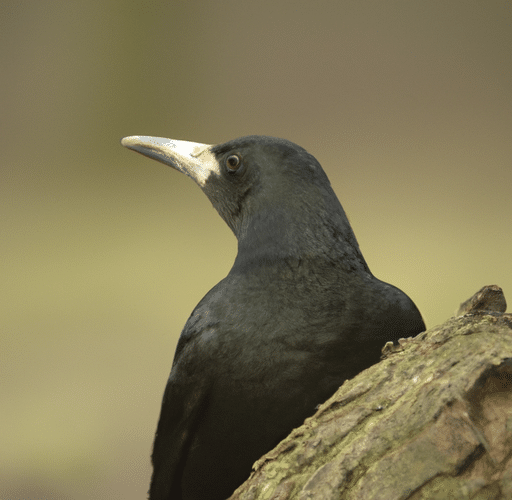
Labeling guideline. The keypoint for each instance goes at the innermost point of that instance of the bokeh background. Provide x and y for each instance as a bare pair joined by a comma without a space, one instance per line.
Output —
104,253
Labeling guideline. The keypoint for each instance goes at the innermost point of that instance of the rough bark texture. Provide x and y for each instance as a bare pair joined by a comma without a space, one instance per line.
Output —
433,420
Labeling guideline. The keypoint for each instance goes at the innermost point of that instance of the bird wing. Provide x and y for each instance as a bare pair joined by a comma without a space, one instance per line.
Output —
185,399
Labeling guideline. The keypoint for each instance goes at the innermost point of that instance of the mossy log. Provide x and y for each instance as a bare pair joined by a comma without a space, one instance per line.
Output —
432,420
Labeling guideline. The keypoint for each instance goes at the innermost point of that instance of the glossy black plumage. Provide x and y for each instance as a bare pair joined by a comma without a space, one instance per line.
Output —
297,315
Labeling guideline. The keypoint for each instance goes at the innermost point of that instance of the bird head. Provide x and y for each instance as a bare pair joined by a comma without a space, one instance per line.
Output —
273,194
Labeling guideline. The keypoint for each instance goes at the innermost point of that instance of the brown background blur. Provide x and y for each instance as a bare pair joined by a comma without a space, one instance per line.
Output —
104,253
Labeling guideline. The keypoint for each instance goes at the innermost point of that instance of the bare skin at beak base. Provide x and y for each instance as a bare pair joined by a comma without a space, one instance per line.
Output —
191,158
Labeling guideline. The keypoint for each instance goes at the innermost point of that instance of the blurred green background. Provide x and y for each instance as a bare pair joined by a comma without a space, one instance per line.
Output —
104,253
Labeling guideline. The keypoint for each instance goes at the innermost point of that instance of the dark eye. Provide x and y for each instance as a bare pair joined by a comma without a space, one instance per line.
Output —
233,162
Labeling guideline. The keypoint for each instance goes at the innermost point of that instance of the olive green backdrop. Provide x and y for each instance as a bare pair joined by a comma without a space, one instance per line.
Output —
104,253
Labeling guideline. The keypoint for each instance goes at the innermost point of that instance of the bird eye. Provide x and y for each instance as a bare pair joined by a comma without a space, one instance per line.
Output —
233,162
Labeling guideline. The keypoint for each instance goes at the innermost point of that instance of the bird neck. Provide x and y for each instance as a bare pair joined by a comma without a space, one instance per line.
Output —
281,235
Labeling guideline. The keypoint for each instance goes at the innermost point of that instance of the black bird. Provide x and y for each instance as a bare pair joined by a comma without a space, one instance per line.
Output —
298,314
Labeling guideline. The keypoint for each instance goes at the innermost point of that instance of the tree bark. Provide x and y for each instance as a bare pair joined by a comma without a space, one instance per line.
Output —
432,420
